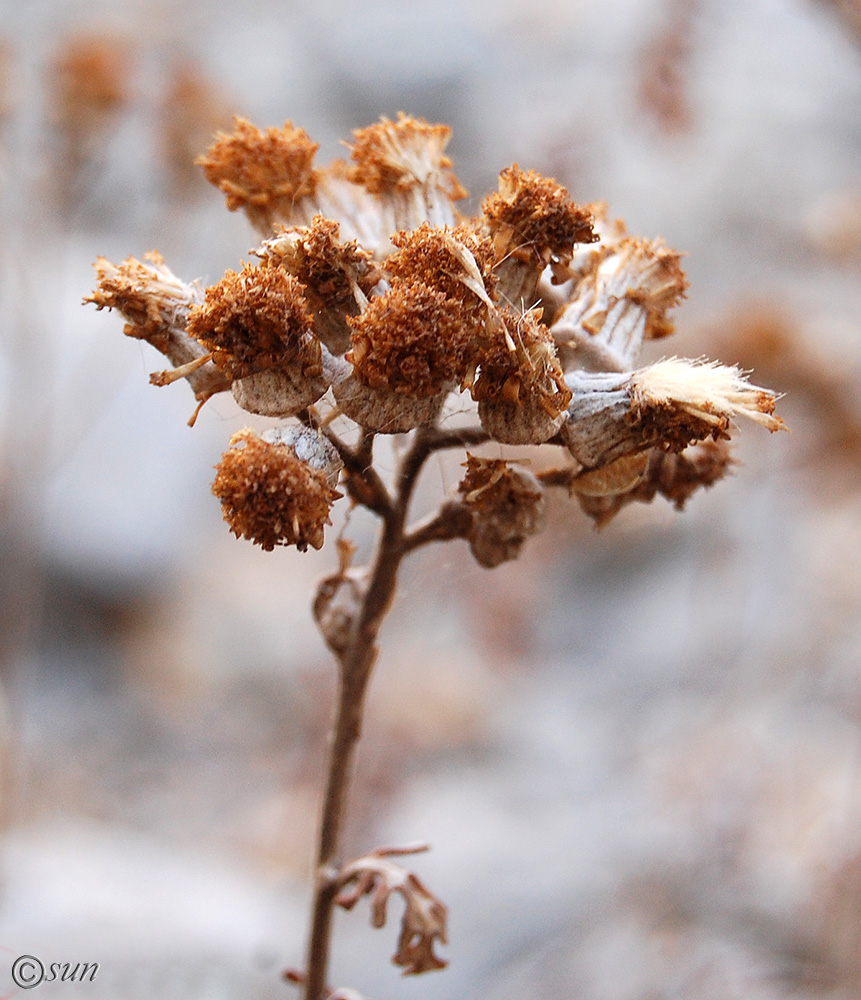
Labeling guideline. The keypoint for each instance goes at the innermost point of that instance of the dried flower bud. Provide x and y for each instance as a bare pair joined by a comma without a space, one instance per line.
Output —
623,301
270,495
670,405
507,504
676,476
258,328
156,306
618,476
521,391
265,173
533,224
336,277
403,163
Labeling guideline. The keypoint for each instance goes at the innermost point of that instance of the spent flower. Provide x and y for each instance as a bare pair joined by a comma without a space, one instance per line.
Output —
377,308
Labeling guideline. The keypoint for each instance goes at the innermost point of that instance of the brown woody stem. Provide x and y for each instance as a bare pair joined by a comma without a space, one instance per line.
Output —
355,666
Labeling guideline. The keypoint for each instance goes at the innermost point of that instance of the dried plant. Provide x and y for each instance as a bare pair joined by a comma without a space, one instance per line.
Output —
376,308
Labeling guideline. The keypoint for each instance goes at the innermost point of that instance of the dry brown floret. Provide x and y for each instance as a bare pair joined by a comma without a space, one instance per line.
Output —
156,305
257,320
533,219
337,277
398,155
265,172
149,296
520,389
518,362
411,341
270,496
458,262
507,503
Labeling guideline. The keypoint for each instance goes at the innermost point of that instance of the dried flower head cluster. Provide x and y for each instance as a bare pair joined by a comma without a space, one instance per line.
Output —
375,298
375,307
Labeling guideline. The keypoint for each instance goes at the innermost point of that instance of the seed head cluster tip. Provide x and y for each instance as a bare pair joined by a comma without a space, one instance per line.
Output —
374,300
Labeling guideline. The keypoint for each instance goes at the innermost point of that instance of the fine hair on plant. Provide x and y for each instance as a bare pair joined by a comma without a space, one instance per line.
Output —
375,307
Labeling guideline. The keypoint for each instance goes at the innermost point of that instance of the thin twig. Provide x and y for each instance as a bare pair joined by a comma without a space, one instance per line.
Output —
452,520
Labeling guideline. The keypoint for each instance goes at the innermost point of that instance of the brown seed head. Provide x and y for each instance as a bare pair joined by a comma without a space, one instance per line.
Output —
533,218
411,341
257,320
270,496
669,474
147,293
507,503
646,272
457,262
263,171
399,155
336,276
676,402
518,365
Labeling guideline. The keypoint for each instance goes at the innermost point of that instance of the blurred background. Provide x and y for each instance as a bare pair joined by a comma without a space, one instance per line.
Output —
636,753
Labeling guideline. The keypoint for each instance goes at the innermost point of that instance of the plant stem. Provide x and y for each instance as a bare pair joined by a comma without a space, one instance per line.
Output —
356,664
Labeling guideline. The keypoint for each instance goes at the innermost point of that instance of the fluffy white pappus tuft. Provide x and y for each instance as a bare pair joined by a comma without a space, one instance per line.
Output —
707,390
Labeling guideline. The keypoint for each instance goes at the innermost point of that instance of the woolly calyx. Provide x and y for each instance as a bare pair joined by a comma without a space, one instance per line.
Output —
404,164
270,495
507,505
621,302
670,405
520,389
412,341
156,306
533,224
265,173
336,277
311,447
381,410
